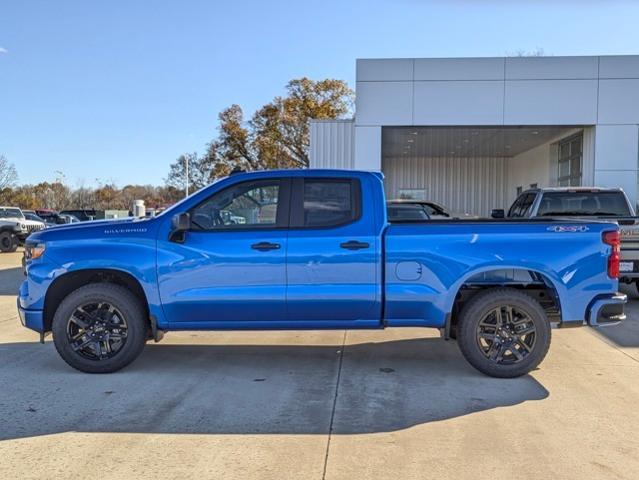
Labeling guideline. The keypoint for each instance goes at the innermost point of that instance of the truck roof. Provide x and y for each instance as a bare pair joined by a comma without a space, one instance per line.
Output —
307,172
573,189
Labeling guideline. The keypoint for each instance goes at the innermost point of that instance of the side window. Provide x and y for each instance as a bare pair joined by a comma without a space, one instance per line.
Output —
515,207
430,210
527,204
521,205
329,202
245,205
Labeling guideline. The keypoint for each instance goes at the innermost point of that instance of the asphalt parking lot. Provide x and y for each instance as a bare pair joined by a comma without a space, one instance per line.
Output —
313,405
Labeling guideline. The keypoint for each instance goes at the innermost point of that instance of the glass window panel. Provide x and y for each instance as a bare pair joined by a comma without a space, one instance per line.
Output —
327,203
241,206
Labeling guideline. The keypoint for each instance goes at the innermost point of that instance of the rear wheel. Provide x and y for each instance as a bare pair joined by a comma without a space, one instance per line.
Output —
503,333
99,328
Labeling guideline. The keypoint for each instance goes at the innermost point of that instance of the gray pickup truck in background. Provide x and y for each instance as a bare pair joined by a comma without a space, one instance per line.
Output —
587,203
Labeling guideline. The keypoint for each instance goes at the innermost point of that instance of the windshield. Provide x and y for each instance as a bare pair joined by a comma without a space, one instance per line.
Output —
11,213
175,207
612,204
33,216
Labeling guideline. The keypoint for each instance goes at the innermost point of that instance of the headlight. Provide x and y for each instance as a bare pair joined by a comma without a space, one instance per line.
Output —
31,252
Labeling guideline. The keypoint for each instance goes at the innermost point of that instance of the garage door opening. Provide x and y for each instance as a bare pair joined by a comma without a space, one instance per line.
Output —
472,170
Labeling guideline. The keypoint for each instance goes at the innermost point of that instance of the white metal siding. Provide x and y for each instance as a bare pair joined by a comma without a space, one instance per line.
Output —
473,185
332,144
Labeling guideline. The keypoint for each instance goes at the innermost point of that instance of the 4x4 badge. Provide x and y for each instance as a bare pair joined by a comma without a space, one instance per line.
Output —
568,228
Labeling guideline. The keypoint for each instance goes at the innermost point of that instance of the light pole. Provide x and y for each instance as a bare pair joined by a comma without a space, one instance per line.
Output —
186,171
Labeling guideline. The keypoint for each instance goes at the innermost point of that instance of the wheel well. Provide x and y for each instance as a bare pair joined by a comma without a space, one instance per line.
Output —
71,281
535,284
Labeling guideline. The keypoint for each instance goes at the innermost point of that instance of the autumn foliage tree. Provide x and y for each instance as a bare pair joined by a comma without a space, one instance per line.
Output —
57,196
276,136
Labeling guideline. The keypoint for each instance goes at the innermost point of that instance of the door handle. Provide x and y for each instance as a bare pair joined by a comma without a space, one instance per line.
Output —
265,246
354,245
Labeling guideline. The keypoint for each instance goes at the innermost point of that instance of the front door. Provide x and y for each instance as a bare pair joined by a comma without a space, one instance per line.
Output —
230,271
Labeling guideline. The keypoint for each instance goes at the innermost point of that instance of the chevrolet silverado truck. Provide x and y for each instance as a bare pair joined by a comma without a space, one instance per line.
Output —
314,250
610,204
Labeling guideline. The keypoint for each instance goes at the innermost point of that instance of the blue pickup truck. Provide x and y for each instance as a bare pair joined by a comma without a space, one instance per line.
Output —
313,249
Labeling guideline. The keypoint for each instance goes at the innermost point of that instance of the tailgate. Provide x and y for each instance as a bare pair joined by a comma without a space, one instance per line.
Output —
629,229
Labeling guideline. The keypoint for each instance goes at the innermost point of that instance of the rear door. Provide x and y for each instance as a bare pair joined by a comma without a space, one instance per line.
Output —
333,255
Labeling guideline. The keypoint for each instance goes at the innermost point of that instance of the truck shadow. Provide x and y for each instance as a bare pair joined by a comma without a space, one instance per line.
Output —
251,389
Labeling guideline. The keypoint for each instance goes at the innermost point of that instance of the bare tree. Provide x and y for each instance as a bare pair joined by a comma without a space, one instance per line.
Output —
537,52
8,173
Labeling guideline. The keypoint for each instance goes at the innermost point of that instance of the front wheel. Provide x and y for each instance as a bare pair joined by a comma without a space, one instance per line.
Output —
8,242
503,332
99,328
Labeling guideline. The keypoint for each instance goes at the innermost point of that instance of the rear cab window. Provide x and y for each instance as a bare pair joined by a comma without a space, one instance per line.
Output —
577,203
325,202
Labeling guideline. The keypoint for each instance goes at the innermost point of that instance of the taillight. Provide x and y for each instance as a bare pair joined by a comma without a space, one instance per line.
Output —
614,240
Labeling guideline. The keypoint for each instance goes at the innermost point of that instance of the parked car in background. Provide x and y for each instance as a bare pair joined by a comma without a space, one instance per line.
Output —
405,209
10,232
68,218
52,218
83,214
314,250
432,209
587,203
13,216
32,221
49,216
11,213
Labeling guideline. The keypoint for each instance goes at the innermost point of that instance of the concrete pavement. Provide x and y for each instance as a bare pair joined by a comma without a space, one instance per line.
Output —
313,405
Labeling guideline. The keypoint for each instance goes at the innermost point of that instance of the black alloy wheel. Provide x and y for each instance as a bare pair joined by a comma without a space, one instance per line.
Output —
100,327
506,335
503,332
97,331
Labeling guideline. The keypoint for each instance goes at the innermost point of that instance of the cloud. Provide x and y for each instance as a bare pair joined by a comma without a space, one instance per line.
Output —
3,50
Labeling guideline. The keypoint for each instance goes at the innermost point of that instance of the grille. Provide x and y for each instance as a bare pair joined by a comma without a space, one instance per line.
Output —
34,228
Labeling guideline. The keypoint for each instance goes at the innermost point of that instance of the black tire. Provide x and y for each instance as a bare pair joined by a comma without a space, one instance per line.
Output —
8,242
475,326
128,307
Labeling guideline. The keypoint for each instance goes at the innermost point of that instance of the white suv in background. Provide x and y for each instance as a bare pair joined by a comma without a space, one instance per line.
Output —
26,226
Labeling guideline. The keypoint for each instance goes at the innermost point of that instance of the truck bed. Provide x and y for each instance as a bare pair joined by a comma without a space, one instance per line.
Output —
432,261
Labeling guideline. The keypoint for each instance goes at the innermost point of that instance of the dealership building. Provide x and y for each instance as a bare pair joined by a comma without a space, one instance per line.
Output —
470,133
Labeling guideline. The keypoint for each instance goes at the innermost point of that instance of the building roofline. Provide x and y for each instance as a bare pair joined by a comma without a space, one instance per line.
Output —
331,120
499,57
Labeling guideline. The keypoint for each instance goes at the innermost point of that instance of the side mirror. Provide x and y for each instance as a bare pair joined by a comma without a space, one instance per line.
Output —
181,223
498,213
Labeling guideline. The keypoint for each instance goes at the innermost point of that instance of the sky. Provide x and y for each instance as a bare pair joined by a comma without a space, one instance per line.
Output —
96,92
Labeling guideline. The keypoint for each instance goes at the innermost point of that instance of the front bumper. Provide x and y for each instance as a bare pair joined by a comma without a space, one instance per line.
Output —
607,310
33,319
